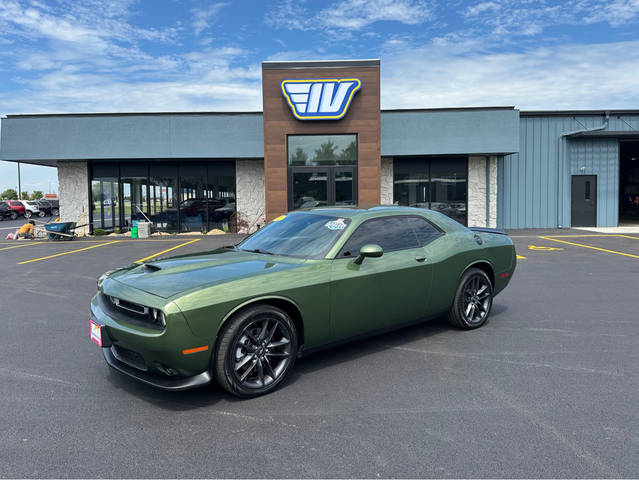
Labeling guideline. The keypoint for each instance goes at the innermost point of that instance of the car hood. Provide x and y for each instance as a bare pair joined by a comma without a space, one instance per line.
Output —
172,276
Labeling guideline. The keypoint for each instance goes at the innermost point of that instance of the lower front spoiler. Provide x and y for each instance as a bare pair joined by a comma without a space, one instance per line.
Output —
170,384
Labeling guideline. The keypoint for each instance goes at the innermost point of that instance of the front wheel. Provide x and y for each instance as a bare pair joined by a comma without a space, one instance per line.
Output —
27,214
473,300
14,215
256,351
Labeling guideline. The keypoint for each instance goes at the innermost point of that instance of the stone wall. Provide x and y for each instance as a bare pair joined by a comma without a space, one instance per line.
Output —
387,181
492,221
249,193
478,188
73,186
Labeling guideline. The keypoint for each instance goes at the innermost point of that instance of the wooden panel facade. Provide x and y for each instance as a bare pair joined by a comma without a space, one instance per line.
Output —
362,119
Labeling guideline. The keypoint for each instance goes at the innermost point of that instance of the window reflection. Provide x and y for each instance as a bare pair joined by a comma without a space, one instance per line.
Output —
196,196
134,179
105,195
163,181
436,183
320,150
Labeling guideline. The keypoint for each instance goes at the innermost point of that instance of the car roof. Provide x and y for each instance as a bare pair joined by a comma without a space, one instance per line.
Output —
367,211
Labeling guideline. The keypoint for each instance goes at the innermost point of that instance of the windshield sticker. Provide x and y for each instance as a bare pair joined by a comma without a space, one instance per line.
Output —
281,217
336,224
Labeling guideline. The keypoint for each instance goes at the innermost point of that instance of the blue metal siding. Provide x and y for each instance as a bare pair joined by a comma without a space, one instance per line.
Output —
599,157
446,132
530,195
82,137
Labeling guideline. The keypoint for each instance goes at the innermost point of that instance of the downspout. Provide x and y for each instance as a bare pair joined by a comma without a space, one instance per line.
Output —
561,156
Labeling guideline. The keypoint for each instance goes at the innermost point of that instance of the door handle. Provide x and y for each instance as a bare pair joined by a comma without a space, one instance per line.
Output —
420,258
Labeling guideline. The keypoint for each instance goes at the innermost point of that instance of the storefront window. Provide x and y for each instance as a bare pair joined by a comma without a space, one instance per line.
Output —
104,196
193,196
320,150
221,195
193,200
134,178
436,183
163,180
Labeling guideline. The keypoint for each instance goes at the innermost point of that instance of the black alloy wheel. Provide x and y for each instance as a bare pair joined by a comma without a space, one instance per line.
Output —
256,351
473,300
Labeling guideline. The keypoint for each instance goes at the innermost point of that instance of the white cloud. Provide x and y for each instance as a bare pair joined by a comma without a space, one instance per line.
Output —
348,14
526,17
202,16
616,13
569,76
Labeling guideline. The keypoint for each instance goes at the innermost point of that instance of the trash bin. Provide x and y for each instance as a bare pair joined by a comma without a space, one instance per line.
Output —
134,232
144,229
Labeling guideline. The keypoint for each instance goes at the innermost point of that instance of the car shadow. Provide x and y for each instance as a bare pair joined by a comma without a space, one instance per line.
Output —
212,394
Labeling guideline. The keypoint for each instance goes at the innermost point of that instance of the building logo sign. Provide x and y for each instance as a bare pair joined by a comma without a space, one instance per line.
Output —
323,99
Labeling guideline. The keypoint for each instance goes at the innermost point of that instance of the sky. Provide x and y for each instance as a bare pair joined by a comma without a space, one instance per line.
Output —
194,55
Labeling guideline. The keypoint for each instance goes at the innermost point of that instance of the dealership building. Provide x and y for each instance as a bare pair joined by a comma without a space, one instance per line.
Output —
322,139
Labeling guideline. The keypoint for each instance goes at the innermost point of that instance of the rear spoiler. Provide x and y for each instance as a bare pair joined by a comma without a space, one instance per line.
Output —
487,230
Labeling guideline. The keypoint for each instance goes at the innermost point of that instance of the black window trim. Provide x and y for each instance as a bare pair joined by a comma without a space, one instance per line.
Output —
441,233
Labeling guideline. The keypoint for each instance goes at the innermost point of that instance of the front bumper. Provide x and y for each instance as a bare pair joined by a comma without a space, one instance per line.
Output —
157,357
163,383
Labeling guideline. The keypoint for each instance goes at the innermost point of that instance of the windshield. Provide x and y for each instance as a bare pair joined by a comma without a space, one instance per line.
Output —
297,234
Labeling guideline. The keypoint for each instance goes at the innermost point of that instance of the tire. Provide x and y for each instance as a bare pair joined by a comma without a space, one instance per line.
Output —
14,215
256,350
473,300
27,214
40,214
55,212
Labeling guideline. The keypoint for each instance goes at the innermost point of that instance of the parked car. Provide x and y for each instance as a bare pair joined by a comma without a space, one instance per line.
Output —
55,207
6,211
310,279
31,208
45,207
17,207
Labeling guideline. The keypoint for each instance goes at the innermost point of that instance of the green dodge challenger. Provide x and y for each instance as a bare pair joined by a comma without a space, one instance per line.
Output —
308,280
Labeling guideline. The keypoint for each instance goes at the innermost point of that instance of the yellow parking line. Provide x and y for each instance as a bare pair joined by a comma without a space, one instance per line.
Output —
69,252
628,236
23,245
521,257
167,250
590,246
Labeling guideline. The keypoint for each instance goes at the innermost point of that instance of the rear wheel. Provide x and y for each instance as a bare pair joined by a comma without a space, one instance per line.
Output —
14,215
473,300
255,352
40,214
27,214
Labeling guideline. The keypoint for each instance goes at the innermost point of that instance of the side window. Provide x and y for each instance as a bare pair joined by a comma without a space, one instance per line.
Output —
425,231
390,233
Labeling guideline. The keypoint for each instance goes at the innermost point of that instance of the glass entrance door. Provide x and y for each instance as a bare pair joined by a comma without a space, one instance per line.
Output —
311,187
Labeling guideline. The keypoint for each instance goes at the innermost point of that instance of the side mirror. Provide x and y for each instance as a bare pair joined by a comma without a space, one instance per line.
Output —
370,250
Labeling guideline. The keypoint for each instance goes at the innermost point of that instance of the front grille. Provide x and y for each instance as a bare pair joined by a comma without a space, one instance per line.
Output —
131,358
130,312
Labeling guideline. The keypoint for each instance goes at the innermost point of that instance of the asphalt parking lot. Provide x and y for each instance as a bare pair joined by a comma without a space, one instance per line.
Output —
548,388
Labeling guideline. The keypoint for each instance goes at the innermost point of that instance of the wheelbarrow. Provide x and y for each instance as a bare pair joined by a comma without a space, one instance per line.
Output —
61,230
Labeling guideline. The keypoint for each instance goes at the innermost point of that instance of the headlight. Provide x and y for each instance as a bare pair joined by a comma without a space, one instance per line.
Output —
157,316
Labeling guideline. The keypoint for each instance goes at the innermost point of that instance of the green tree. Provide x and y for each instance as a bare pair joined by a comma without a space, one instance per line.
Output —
25,195
325,154
348,156
299,157
9,194
37,195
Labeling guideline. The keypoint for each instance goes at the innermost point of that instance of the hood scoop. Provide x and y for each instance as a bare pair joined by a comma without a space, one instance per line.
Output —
150,268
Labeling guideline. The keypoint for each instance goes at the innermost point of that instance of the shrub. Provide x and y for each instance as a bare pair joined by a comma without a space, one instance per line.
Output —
116,230
99,231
